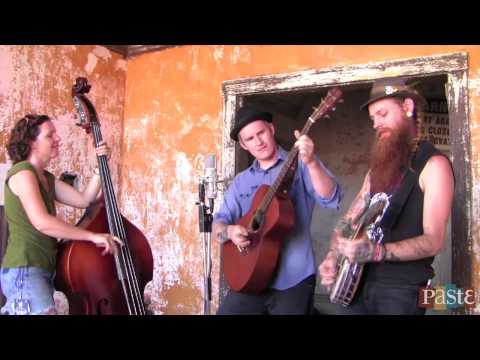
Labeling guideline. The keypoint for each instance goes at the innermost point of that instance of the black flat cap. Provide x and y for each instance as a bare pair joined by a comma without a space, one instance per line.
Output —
245,115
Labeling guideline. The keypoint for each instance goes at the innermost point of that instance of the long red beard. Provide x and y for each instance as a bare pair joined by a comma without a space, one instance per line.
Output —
389,157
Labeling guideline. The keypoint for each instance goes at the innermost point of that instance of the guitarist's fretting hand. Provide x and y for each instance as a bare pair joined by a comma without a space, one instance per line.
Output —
361,250
238,234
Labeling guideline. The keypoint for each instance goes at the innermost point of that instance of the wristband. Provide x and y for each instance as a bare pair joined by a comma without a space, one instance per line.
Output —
379,253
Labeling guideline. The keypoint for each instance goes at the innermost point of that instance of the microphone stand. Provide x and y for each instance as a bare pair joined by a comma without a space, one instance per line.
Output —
205,223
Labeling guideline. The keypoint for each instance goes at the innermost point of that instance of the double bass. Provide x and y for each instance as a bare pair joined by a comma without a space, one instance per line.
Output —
269,219
93,283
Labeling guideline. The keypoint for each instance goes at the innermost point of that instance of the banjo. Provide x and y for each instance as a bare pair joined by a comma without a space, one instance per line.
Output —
349,273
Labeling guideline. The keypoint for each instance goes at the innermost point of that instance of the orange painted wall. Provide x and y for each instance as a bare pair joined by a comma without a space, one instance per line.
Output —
174,116
38,79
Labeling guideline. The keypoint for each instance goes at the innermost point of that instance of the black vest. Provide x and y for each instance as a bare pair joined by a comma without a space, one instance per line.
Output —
408,223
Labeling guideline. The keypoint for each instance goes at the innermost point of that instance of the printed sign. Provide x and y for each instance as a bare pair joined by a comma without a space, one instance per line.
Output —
436,126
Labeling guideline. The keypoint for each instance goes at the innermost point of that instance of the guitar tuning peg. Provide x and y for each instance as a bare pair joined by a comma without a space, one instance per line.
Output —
333,109
327,116
314,108
340,101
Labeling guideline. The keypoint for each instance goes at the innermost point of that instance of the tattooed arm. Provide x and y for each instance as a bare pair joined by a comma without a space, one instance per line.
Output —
220,232
436,181
346,224
344,228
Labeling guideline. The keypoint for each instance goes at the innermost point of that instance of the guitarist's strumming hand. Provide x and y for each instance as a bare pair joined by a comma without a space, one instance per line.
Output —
328,269
361,250
239,236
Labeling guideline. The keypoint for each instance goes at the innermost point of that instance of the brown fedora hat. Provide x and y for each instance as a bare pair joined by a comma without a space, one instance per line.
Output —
396,87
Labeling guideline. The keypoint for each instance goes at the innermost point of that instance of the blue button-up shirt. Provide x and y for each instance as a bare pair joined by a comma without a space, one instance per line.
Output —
297,260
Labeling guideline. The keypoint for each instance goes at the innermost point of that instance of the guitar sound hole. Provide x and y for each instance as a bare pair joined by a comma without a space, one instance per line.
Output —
257,221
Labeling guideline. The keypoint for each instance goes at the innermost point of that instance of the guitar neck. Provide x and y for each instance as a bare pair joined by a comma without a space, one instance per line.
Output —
282,176
332,97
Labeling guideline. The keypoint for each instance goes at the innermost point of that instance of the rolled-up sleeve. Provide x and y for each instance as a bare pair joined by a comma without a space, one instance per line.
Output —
230,209
333,202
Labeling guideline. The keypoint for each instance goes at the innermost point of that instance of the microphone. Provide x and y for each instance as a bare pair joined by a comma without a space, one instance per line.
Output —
210,177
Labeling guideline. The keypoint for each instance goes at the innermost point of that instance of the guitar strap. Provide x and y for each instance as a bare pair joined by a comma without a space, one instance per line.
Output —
398,200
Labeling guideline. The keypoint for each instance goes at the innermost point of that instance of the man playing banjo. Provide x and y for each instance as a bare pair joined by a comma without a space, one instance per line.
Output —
419,183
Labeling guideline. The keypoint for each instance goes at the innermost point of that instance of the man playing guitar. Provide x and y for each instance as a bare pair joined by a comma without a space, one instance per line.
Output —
291,289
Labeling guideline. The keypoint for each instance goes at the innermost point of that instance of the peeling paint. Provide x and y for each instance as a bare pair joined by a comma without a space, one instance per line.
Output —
102,52
240,55
205,119
183,169
121,65
7,72
218,53
91,64
187,126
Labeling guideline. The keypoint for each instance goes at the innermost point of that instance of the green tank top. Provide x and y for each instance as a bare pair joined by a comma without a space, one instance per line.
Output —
26,245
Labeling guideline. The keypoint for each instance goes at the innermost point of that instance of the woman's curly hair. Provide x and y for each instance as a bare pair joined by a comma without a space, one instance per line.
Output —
22,135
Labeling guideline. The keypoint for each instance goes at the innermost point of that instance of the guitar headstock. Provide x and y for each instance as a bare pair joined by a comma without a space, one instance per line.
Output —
328,103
